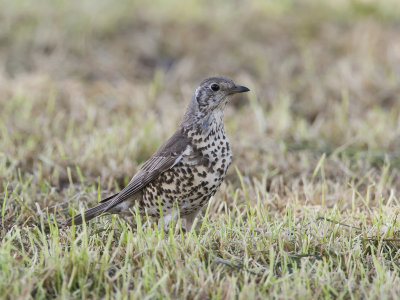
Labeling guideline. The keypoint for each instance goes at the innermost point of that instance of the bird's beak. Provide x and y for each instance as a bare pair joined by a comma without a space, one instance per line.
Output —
238,89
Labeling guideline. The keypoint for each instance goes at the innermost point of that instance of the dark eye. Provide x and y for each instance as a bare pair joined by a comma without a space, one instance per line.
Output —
214,87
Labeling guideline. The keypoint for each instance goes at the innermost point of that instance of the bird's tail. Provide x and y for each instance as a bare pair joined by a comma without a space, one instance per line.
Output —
90,213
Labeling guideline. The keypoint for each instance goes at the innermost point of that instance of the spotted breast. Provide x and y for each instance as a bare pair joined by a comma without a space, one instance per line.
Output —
195,178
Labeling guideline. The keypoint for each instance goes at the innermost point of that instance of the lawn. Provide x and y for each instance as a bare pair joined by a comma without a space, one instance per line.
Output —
309,209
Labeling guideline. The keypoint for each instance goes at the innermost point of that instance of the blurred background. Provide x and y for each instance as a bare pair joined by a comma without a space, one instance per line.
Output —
90,89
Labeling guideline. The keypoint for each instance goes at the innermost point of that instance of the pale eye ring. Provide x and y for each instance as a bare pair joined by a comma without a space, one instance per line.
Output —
214,87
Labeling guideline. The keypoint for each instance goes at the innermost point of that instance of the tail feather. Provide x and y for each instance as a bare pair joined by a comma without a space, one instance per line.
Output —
90,213
109,198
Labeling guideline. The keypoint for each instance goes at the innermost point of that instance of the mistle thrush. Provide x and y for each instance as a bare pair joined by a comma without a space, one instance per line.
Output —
188,169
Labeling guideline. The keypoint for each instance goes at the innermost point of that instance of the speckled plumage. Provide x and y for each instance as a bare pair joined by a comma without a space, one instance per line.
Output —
196,177
188,169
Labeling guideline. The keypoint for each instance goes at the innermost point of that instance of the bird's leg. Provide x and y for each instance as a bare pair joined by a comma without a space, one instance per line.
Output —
189,220
165,221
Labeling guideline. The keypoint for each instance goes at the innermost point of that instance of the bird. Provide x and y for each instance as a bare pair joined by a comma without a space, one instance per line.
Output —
187,170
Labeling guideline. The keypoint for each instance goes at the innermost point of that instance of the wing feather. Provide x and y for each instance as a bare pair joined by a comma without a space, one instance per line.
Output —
165,158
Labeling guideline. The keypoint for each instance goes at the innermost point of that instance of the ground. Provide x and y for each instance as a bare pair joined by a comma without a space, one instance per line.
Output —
90,89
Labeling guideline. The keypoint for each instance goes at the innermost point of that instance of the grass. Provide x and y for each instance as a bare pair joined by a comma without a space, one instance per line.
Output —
309,209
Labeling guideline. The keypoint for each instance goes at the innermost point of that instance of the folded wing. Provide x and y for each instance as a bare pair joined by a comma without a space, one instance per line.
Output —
165,158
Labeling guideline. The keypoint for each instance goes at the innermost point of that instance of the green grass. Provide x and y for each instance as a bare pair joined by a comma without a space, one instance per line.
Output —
309,209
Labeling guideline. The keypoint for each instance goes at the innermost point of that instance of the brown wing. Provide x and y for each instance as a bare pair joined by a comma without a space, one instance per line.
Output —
165,158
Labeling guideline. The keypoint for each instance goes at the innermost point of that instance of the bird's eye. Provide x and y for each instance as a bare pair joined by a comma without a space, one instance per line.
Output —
214,87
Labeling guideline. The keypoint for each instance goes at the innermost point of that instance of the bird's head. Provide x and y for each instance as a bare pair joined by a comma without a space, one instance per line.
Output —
210,98
214,92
